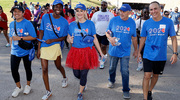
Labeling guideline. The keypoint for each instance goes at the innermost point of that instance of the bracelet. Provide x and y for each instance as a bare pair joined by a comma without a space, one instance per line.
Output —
176,53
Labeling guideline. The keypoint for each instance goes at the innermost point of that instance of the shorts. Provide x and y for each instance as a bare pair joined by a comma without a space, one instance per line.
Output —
102,39
1,28
157,67
51,52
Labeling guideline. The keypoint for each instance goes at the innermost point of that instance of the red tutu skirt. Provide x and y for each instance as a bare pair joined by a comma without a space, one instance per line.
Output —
82,58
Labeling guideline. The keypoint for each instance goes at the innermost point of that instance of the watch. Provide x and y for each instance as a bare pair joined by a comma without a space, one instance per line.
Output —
176,53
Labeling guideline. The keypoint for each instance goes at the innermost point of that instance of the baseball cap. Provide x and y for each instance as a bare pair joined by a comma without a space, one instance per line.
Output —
125,7
37,2
18,7
81,6
15,1
57,2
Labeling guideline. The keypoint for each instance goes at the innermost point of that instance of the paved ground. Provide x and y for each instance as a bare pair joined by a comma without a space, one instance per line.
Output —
167,88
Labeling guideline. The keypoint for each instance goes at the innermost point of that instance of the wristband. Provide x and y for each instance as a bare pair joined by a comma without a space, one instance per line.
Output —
176,53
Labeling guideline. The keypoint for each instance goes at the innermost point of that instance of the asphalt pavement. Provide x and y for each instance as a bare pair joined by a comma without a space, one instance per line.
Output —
167,88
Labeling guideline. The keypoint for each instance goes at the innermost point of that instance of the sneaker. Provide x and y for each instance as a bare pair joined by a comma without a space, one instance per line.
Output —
110,85
101,65
47,95
126,95
7,45
64,82
27,89
140,66
149,95
80,96
16,91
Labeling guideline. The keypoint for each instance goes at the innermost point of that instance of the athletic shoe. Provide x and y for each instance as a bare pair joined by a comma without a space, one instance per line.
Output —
16,91
80,96
7,45
126,95
149,95
47,95
110,85
27,89
64,82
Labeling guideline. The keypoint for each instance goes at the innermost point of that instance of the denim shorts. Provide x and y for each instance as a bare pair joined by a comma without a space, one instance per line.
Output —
157,67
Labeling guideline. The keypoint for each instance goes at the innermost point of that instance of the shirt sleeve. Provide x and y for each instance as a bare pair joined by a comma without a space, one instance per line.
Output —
109,26
66,28
93,29
11,30
143,31
31,30
171,30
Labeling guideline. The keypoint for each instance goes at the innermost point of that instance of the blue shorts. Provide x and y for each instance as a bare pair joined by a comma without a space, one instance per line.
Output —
102,39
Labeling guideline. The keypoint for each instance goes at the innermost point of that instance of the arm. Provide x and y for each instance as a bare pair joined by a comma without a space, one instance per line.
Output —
134,40
49,41
97,45
174,45
10,41
41,34
142,42
28,38
70,39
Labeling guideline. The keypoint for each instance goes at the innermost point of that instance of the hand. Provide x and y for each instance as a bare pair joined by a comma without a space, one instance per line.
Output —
102,55
173,59
139,57
112,41
49,41
15,38
38,53
135,54
71,39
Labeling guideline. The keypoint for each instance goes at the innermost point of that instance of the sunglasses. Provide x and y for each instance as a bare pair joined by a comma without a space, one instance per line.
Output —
103,4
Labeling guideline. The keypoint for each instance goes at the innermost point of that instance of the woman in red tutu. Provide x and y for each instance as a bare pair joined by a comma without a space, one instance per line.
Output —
83,55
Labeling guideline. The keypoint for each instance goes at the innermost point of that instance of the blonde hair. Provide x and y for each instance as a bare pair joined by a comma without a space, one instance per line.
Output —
85,16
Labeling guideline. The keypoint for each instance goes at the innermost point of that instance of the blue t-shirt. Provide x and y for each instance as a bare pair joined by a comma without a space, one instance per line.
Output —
123,30
156,33
23,28
174,17
87,28
60,27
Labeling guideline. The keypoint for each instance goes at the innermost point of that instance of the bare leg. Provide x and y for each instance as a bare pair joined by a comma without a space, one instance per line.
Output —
6,36
59,66
18,84
146,79
44,64
153,81
103,48
81,89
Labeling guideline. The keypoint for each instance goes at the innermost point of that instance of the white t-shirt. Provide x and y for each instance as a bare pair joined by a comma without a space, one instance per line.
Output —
101,21
138,24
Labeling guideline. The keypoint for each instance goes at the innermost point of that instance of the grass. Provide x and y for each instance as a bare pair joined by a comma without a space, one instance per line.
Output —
7,4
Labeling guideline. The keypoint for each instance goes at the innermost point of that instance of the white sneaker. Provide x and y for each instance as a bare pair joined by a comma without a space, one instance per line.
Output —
140,66
27,89
7,45
47,95
110,85
16,91
64,82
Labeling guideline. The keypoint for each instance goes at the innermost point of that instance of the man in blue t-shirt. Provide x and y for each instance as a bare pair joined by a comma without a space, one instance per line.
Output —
175,17
154,34
120,31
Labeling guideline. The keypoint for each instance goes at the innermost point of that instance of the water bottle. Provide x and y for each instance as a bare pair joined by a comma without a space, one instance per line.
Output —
104,58
101,64
117,42
15,42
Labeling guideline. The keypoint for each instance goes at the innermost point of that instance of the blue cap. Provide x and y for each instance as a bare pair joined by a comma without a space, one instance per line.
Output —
81,6
37,2
57,2
15,1
125,7
18,7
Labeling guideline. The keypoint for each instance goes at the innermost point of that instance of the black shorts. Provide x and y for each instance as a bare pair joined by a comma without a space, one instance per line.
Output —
157,67
102,39
1,28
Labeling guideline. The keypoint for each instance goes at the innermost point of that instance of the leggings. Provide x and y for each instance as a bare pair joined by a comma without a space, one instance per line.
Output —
82,75
15,61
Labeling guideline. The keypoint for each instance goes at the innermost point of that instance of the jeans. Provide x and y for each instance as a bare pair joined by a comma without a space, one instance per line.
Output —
124,69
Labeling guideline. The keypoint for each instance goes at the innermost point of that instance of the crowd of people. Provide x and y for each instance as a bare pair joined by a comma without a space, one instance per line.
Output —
89,31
